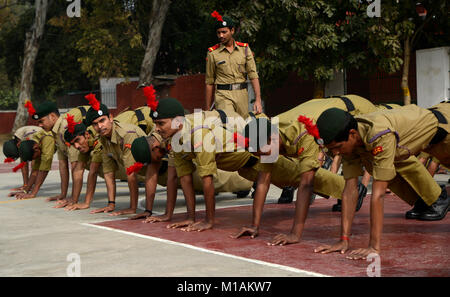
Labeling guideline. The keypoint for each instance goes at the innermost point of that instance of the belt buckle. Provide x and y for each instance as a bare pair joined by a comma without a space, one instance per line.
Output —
235,87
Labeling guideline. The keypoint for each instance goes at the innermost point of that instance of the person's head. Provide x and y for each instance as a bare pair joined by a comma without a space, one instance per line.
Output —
263,136
167,117
46,114
339,131
10,148
103,125
29,150
148,149
79,138
224,27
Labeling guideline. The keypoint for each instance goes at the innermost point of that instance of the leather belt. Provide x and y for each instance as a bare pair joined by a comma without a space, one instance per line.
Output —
441,133
232,87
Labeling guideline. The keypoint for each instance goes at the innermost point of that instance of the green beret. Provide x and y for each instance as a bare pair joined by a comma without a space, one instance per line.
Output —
44,109
26,151
258,131
93,114
10,149
227,22
167,108
140,150
332,124
80,129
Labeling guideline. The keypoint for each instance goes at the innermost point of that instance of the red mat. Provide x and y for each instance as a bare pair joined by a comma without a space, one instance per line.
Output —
409,247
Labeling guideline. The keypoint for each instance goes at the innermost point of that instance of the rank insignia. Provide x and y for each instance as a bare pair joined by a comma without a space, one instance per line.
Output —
377,150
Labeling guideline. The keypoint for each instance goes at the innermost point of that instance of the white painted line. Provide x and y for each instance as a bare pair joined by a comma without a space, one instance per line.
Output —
282,267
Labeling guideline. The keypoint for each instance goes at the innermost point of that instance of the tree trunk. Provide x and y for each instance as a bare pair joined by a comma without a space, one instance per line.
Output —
319,89
157,18
32,42
406,60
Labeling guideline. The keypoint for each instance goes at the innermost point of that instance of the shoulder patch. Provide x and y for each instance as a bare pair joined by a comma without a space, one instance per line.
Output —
377,150
214,47
242,44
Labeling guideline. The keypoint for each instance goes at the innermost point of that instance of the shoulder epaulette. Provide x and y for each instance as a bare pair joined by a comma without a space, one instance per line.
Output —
242,44
214,47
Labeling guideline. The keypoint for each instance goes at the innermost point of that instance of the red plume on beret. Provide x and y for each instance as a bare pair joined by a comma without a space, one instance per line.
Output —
93,101
217,16
310,127
134,168
9,160
19,166
30,107
70,123
150,93
241,140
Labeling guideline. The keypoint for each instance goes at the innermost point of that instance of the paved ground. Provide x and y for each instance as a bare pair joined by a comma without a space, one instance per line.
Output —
38,240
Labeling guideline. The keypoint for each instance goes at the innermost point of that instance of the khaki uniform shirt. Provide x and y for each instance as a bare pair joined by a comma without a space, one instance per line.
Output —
301,145
117,150
223,67
204,143
390,136
66,152
26,132
131,117
47,145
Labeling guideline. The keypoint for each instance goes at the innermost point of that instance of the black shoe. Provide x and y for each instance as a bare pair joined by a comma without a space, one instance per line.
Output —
438,209
287,195
242,194
419,207
362,191
337,206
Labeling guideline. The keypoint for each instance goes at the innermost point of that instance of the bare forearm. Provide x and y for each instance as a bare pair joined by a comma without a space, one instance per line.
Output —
171,190
77,181
256,89
134,190
64,174
376,213
209,91
91,182
39,181
189,195
25,174
210,199
349,200
304,192
262,187
110,186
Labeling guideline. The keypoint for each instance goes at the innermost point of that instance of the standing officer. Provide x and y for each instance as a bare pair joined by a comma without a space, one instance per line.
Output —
228,64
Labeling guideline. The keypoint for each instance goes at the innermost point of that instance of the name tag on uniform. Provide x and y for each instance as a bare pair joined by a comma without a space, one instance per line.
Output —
221,62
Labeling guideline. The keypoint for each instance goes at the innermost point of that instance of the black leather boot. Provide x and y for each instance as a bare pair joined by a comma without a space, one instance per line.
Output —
287,195
362,192
419,207
438,209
